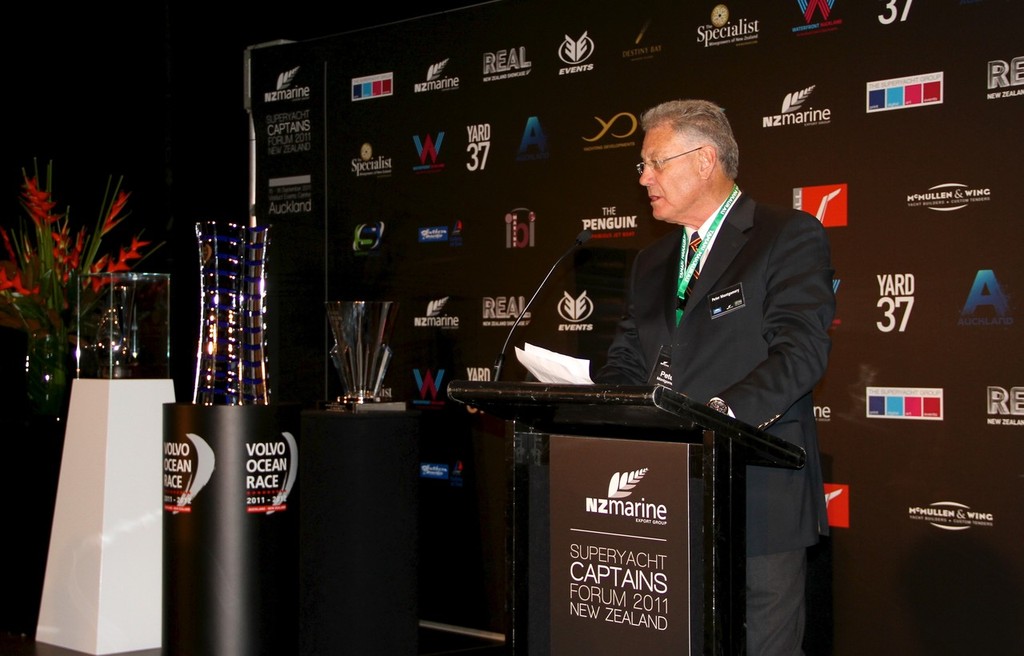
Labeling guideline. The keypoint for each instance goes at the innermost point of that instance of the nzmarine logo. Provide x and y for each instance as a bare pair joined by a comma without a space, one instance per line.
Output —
283,89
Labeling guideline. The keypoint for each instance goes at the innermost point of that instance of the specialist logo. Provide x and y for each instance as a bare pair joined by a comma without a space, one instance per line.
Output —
520,228
372,86
613,133
949,197
428,148
826,202
905,92
436,80
723,31
794,113
575,310
896,300
506,64
986,304
1005,79
369,165
574,53
951,516
818,17
904,403
611,225
283,89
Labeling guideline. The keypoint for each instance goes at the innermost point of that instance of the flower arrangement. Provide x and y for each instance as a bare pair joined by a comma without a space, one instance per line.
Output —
47,259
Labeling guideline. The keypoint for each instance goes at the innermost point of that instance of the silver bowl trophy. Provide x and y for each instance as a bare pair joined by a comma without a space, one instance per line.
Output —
362,352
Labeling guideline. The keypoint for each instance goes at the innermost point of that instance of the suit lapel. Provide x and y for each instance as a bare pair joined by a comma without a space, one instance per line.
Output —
730,240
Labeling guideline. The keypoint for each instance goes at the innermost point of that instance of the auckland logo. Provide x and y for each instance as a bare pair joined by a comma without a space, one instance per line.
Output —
793,112
620,488
283,89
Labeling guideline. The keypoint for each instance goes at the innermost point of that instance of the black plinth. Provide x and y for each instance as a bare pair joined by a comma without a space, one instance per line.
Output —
358,583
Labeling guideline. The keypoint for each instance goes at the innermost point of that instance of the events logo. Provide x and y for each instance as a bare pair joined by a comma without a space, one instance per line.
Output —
826,202
722,31
283,89
1005,80
367,237
904,403
611,225
620,488
506,64
1005,407
949,197
619,127
435,317
574,52
500,311
793,112
896,298
369,165
986,304
837,504
817,17
478,145
428,149
905,92
428,387
951,516
575,310
534,144
372,86
520,228
640,49
436,80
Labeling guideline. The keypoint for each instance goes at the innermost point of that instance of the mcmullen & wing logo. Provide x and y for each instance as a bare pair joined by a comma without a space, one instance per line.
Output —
620,487
949,197
951,516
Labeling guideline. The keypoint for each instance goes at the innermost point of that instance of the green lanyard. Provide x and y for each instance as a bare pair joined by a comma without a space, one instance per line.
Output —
686,269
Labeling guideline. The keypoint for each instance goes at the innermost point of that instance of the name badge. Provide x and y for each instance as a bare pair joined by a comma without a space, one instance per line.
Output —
661,374
726,300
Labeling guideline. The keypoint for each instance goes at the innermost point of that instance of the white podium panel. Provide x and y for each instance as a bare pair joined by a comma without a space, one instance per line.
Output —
102,591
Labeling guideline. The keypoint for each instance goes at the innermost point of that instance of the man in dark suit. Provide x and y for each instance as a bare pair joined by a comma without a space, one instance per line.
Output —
743,321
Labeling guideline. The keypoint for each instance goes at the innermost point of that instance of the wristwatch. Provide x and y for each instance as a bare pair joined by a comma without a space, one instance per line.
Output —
719,405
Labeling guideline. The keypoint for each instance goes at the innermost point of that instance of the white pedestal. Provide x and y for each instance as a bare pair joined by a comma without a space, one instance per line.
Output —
103,587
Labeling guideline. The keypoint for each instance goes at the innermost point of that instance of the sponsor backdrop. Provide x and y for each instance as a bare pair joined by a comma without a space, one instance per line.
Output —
448,162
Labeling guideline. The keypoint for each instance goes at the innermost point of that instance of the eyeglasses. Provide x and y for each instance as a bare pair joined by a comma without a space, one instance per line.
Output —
657,164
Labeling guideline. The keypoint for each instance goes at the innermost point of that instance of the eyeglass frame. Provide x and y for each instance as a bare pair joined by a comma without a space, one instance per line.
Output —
657,164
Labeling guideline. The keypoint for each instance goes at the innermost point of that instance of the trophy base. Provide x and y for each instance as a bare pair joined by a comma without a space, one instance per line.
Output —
365,408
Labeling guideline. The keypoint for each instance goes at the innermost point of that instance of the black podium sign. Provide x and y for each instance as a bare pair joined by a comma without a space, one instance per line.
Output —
554,468
620,567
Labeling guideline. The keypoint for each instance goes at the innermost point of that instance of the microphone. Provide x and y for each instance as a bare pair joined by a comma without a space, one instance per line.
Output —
499,362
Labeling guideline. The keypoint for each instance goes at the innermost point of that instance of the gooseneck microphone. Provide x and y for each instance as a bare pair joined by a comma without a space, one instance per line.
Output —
499,362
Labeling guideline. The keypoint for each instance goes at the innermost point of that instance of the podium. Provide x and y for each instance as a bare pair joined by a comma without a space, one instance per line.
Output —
653,562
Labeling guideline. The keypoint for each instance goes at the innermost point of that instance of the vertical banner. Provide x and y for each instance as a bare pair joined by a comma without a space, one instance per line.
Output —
620,555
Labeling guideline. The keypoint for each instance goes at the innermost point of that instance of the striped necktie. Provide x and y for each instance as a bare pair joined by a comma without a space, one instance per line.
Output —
694,245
